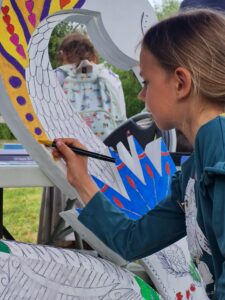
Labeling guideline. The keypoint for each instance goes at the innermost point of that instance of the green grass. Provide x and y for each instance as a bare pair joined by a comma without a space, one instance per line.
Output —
21,207
21,212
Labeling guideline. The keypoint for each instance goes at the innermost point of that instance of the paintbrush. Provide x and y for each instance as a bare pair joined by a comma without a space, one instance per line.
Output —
80,151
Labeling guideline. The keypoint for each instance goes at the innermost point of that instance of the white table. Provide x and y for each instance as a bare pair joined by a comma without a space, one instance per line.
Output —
27,175
22,176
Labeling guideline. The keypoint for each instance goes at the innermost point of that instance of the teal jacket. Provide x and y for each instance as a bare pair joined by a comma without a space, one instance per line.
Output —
174,217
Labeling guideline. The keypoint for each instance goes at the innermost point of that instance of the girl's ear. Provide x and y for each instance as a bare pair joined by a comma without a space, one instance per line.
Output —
183,82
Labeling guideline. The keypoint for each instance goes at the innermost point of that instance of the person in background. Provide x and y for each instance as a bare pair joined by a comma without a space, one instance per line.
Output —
182,63
74,49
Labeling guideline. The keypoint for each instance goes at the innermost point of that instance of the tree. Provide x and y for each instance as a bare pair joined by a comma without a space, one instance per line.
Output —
131,88
168,8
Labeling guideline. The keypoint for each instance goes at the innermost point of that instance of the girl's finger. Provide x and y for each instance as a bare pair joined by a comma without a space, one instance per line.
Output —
71,142
64,150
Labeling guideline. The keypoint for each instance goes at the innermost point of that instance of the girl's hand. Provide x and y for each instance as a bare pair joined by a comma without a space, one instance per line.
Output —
77,170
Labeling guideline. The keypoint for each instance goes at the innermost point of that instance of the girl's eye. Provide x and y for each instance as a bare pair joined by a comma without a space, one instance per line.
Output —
145,82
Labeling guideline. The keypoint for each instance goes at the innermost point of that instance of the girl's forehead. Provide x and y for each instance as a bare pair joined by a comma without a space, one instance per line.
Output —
146,59
146,56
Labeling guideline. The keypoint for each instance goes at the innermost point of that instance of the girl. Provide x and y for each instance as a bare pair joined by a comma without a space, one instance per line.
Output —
182,62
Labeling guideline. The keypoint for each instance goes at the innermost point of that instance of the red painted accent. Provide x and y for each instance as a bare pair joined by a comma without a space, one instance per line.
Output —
7,19
104,188
5,10
193,287
142,155
120,166
10,29
179,296
167,169
131,182
63,3
188,294
165,153
149,170
117,201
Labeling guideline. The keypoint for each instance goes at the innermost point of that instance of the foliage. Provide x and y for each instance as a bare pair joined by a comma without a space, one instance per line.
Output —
21,212
5,133
168,8
131,88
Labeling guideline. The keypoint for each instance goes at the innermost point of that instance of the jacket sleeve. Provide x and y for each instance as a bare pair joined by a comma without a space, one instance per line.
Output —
215,182
131,239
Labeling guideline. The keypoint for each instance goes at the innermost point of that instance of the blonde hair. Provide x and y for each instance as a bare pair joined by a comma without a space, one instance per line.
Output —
194,39
76,47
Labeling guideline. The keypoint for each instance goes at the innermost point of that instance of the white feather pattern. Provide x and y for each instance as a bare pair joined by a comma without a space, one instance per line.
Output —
196,239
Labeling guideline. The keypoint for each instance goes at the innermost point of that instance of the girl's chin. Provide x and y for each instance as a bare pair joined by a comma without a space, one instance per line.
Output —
163,126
